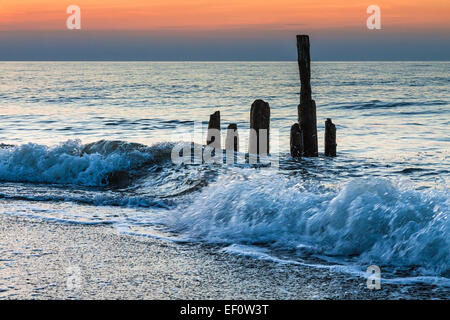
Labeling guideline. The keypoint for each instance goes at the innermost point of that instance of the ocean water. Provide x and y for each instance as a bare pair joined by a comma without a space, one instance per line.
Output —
65,126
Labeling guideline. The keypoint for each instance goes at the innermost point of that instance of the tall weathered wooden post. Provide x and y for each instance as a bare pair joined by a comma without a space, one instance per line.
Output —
214,130
259,128
330,138
307,107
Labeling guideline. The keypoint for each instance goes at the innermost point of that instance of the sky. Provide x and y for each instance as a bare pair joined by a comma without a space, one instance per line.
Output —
223,30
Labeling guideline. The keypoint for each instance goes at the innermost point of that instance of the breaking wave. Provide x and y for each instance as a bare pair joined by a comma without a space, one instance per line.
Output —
377,220
72,162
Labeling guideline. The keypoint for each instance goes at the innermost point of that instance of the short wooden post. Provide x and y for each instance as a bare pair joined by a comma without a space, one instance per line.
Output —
232,139
307,107
259,128
330,138
296,141
214,130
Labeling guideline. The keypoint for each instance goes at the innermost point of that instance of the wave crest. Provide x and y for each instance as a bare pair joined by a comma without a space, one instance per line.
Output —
72,162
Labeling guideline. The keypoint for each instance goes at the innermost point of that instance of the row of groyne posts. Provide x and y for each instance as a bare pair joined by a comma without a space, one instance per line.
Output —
303,140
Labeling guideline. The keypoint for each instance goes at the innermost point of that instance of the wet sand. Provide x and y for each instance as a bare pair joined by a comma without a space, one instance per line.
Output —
37,258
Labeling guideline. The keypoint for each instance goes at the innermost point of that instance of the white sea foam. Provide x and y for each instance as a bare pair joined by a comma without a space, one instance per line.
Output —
357,270
380,221
72,162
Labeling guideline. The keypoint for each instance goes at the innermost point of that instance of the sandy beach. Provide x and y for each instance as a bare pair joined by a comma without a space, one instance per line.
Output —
35,257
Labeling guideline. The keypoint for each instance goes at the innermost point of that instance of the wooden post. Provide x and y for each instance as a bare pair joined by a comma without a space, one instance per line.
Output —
330,138
296,141
308,124
259,128
304,66
232,139
214,130
307,107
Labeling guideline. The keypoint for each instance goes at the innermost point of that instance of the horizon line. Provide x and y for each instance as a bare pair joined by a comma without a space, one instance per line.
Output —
231,60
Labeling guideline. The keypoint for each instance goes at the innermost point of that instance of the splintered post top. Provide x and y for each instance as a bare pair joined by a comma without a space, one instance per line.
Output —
304,66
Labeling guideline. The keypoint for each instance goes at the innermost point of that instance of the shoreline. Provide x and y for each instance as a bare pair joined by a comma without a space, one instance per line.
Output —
37,258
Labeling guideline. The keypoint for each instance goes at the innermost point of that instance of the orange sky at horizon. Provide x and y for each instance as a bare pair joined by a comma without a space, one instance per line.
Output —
203,15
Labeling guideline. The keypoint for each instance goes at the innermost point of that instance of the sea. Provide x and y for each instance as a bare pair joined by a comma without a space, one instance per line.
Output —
65,127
